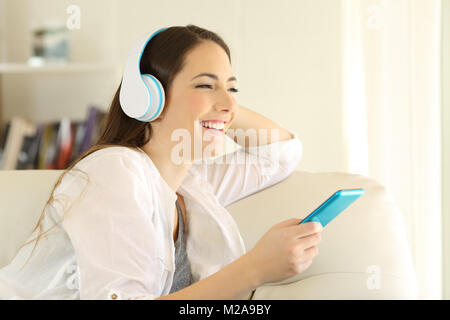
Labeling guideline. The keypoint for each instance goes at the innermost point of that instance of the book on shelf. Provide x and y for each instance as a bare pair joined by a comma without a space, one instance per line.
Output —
18,129
48,145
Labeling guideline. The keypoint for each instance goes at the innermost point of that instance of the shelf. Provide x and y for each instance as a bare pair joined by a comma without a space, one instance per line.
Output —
19,68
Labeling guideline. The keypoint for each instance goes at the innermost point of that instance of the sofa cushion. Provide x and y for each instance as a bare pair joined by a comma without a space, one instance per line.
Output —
338,286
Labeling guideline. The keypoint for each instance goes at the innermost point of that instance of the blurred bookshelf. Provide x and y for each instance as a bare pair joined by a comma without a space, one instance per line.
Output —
48,145
28,144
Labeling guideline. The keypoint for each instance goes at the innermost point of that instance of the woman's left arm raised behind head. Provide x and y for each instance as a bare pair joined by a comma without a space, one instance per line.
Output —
266,131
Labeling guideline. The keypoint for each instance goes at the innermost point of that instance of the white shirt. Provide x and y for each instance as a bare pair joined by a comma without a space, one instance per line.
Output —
116,239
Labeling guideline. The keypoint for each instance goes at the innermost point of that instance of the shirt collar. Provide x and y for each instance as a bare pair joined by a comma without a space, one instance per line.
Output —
172,196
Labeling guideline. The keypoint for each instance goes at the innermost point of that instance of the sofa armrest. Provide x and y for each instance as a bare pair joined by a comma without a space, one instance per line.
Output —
363,253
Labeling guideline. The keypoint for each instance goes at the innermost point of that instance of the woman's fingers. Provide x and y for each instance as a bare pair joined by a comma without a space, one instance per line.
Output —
289,223
304,230
309,241
310,253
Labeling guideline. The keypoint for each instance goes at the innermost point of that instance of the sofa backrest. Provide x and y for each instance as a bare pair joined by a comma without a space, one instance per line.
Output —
23,194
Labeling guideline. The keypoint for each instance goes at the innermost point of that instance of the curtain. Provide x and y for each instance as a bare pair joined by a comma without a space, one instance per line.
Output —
391,85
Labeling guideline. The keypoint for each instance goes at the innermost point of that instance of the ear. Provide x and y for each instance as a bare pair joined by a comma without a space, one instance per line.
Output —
160,117
163,113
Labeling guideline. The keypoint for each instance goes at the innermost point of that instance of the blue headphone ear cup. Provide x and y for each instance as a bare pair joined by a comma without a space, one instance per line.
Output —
157,98
141,96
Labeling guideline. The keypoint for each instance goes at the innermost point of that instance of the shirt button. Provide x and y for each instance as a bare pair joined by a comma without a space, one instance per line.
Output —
114,296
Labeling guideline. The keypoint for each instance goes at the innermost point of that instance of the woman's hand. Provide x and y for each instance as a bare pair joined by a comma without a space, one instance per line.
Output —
285,250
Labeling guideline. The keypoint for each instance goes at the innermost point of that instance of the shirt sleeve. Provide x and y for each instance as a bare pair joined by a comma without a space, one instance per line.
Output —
117,246
236,175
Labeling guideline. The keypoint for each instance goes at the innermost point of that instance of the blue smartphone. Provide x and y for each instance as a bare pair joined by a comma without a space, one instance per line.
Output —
334,205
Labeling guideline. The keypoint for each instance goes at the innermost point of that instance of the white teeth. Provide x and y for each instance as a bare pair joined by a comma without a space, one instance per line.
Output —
218,126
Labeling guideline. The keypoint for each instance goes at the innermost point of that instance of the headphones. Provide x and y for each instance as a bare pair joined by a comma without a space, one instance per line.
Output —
142,96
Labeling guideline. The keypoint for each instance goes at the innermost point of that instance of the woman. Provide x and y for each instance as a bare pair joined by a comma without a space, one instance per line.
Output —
127,221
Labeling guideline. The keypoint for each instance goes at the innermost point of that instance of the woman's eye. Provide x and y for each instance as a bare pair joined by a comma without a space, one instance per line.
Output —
204,85
210,87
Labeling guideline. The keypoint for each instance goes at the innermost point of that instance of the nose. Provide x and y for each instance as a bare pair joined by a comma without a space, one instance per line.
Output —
226,103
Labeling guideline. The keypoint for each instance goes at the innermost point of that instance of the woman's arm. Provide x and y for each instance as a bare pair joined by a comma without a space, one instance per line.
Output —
248,119
235,281
285,250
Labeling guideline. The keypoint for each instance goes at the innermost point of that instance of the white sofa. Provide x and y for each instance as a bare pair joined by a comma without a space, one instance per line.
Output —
363,254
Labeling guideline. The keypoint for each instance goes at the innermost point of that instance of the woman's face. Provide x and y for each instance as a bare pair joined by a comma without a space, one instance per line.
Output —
195,98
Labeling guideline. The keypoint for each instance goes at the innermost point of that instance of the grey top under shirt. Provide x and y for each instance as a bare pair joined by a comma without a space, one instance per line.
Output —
182,277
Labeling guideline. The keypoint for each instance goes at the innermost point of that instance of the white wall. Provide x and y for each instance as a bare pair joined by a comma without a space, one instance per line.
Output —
286,55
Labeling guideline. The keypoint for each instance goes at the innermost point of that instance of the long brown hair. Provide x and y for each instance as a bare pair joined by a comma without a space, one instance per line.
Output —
163,57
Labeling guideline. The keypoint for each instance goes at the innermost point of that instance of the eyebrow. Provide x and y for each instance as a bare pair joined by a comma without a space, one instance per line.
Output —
212,76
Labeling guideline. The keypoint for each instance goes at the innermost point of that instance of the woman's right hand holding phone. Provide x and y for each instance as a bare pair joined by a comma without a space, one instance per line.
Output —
285,250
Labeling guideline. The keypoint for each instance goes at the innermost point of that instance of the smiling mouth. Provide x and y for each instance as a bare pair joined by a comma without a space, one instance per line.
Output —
214,130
